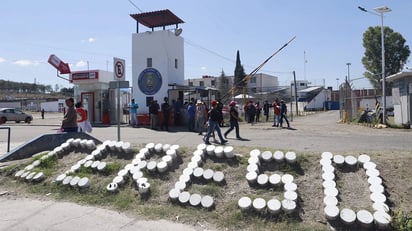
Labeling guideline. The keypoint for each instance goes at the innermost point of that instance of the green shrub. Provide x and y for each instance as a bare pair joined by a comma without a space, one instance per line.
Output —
402,221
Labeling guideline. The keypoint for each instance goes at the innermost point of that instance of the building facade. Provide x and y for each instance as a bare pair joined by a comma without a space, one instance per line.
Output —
157,58
401,97
258,83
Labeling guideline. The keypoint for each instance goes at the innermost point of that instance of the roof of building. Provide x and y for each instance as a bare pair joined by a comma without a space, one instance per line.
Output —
398,75
309,89
157,18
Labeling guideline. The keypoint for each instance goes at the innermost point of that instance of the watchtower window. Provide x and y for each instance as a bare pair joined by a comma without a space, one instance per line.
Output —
149,62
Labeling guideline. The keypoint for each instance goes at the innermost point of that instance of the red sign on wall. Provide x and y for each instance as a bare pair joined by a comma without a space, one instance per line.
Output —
84,75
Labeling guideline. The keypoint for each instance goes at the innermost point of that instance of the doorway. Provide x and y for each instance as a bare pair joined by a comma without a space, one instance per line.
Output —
87,99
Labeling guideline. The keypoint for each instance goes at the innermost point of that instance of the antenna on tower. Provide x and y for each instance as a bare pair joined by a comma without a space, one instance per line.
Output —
178,31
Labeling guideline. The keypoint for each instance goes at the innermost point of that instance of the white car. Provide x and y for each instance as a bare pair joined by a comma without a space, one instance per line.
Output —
13,114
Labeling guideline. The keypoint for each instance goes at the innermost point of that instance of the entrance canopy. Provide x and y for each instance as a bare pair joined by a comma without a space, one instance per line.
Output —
244,96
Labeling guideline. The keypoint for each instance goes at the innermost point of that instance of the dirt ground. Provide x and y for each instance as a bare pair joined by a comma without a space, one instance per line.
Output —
352,185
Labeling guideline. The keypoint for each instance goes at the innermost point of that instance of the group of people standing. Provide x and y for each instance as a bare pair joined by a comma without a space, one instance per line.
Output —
193,114
75,118
253,112
154,108
199,118
214,119
279,113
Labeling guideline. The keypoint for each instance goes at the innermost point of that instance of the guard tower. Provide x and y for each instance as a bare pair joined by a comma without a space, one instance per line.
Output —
157,57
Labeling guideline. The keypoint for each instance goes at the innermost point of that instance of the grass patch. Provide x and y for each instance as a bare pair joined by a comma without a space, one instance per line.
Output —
113,167
224,216
401,221
48,162
8,170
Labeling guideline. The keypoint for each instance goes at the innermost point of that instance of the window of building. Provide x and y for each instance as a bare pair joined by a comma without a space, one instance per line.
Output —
213,82
302,84
176,63
149,62
190,84
201,83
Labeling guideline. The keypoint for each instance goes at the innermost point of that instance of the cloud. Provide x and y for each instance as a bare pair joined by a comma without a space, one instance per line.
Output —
203,68
89,40
2,60
26,62
81,63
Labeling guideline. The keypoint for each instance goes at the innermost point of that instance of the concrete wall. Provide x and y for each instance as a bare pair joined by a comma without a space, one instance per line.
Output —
164,47
15,104
402,111
319,100
53,106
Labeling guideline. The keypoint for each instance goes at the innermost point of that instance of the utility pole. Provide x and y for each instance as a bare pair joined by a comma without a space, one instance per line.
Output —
296,92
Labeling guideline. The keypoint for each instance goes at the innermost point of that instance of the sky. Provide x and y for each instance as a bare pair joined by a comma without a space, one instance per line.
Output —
88,34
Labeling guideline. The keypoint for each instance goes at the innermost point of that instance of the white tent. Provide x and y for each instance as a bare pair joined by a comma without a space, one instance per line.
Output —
242,96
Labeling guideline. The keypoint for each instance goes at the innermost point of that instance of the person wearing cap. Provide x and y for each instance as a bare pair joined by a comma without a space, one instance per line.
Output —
283,112
214,124
234,120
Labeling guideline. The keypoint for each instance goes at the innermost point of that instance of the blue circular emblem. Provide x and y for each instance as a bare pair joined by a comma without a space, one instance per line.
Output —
150,81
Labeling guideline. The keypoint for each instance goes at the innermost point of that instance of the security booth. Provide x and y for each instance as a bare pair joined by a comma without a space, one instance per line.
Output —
402,97
91,87
157,59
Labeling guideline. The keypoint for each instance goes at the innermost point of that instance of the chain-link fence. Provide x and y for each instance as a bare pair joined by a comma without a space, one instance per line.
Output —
353,102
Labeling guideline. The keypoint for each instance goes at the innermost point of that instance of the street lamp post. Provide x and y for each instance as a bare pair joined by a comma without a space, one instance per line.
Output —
381,10
348,64
337,83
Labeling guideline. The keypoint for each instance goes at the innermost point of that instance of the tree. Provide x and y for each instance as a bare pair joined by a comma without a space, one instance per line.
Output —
222,85
396,54
68,92
238,83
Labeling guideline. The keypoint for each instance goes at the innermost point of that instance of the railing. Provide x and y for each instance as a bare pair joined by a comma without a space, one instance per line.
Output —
8,137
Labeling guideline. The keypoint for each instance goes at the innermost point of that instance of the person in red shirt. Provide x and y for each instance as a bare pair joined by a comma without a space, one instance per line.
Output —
82,115
276,114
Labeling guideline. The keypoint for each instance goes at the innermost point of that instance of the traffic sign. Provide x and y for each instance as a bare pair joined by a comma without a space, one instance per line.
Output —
119,68
59,65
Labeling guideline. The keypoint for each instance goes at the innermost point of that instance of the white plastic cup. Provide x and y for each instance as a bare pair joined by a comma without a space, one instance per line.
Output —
279,157
244,203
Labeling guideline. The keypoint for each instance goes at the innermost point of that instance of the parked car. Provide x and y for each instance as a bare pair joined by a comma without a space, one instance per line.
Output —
13,114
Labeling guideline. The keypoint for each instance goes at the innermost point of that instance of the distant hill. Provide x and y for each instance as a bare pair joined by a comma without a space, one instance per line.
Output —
10,90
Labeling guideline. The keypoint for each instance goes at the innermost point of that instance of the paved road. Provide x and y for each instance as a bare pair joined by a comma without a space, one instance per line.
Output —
26,214
315,133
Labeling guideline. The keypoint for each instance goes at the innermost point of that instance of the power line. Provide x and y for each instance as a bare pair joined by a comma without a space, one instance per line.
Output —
135,5
208,50
224,57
